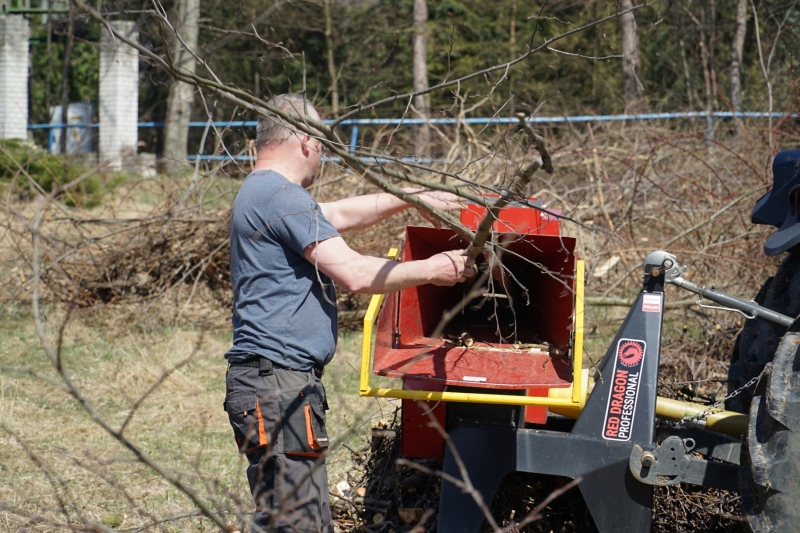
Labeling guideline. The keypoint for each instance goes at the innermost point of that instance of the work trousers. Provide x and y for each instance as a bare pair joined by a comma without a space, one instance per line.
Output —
278,420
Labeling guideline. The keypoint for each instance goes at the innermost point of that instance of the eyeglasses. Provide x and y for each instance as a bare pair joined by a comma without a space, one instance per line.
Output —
323,150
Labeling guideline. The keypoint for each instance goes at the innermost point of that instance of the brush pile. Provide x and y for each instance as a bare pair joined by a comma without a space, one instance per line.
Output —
387,496
145,260
623,194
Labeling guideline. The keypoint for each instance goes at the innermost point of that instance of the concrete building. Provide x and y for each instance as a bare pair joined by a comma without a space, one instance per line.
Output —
119,89
15,32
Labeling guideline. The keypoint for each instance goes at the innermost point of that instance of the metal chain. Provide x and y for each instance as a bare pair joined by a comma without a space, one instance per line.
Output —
715,405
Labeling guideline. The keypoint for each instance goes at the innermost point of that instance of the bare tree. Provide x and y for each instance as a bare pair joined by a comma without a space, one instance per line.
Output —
705,29
631,86
65,68
420,68
736,55
331,63
183,43
765,59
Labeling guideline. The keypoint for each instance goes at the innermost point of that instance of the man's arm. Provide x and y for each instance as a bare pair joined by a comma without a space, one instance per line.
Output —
371,275
367,210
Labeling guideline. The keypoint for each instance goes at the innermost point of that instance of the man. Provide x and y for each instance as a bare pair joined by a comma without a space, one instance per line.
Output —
286,255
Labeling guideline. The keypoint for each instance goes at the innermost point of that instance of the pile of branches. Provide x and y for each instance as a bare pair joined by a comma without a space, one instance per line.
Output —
144,260
147,258
624,193
392,495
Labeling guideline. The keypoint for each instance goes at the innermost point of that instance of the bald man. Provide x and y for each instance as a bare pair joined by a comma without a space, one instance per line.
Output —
287,256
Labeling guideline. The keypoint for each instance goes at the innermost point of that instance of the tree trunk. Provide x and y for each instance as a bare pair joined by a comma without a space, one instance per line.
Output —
420,72
512,50
687,77
704,60
331,65
631,87
179,103
712,52
65,69
683,33
49,74
736,55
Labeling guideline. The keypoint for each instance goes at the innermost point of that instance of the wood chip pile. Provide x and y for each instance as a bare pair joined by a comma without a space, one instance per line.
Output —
387,496
390,497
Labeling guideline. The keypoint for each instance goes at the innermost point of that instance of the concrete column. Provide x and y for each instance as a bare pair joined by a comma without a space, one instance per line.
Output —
119,94
15,31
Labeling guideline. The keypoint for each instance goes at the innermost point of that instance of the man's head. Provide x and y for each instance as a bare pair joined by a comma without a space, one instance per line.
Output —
283,147
273,130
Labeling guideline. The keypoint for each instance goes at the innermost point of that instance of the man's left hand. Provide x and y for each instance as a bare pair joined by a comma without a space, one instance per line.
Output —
441,200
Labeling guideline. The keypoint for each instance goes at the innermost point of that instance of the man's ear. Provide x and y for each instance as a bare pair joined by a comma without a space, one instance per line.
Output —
304,147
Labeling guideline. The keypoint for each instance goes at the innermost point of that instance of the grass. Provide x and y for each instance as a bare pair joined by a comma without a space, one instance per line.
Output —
58,466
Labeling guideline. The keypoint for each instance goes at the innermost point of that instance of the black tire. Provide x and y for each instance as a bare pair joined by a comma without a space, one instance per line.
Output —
770,477
756,344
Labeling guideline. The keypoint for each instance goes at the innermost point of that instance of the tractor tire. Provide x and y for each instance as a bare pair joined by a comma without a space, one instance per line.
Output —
756,344
770,475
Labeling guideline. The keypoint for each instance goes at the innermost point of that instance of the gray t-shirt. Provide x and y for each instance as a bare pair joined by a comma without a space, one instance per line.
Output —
284,309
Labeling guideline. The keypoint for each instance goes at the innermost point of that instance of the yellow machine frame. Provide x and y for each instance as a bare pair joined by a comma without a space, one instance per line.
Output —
573,397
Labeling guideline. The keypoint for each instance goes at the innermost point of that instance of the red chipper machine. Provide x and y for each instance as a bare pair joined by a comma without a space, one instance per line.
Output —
495,364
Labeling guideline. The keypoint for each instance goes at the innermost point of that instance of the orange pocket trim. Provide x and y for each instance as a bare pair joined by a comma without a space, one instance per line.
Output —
312,440
262,434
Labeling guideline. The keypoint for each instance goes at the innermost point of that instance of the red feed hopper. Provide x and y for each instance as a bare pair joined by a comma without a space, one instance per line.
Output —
514,334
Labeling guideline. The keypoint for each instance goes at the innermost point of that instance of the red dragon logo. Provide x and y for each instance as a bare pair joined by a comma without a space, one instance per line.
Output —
630,353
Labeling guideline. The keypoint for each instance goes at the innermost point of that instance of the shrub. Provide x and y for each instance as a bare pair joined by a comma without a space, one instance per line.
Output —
21,164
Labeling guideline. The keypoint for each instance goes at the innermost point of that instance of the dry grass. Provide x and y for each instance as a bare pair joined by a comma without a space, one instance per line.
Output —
53,452
60,455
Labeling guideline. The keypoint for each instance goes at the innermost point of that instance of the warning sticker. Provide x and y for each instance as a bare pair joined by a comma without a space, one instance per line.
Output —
651,303
621,406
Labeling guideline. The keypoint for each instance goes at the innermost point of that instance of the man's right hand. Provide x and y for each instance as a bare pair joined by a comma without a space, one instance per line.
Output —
371,275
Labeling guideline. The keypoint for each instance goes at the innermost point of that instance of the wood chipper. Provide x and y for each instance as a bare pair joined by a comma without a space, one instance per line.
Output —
496,366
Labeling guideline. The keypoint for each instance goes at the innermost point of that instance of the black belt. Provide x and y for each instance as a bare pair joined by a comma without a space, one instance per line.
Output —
265,366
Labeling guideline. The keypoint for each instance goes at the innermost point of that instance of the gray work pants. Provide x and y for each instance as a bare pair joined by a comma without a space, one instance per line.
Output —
278,420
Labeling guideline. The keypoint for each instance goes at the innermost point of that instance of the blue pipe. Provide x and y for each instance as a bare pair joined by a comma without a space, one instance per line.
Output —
355,122
365,159
488,120
354,138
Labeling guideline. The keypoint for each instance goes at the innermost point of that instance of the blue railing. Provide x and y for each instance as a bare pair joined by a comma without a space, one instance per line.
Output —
354,123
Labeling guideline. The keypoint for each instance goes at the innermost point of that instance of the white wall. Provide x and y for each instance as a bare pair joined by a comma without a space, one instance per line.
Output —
15,31
119,94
